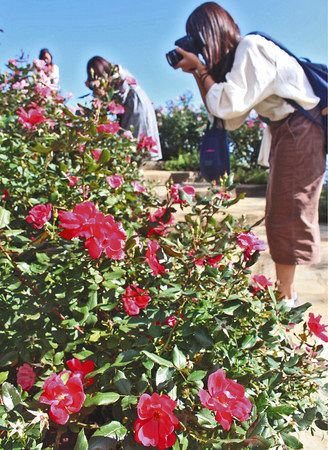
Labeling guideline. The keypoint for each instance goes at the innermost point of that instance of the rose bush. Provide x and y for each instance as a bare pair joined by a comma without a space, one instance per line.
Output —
121,326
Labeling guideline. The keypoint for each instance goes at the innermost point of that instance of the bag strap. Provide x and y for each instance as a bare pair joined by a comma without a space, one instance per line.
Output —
288,100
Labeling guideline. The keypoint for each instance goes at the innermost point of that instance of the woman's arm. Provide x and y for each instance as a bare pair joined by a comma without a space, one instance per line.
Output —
252,79
191,64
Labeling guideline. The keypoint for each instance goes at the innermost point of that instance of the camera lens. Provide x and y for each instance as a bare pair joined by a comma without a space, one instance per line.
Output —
173,58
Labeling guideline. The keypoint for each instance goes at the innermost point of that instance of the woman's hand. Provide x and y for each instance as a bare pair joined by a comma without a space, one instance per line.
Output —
190,62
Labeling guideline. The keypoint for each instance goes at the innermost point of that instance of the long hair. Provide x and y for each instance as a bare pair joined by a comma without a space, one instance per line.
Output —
98,67
43,52
221,35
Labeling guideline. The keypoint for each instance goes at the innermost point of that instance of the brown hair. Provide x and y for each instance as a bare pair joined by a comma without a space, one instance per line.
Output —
43,52
98,67
221,35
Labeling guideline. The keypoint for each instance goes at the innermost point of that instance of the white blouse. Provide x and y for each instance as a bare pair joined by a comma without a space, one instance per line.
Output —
261,77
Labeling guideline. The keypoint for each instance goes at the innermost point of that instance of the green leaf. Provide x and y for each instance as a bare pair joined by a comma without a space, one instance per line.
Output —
10,396
179,359
4,217
122,384
197,375
3,376
296,314
257,442
105,156
81,442
163,374
113,430
158,359
206,419
291,441
129,400
249,342
115,274
277,411
306,421
40,148
101,398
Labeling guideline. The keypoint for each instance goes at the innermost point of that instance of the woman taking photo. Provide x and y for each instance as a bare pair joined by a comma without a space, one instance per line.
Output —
52,69
138,110
245,73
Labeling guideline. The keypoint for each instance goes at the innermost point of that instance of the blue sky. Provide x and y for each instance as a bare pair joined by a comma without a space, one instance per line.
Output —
138,33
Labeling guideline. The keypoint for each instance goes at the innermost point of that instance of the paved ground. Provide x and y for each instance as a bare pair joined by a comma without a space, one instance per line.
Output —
311,282
311,285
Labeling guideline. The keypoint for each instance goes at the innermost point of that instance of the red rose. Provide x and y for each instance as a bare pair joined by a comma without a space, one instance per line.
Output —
156,422
39,215
260,282
147,143
134,299
5,195
26,376
159,221
81,368
151,258
64,398
29,119
171,321
227,398
317,328
178,192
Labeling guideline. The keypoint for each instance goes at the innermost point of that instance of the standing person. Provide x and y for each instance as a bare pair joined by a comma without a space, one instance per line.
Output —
139,112
242,73
52,69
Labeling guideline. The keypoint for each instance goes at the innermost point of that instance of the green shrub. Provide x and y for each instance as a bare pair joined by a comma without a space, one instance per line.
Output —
184,161
180,128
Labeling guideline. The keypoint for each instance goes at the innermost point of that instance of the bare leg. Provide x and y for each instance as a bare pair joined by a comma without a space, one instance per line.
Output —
285,279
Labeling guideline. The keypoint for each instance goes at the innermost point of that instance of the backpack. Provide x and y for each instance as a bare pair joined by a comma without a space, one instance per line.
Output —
214,158
317,75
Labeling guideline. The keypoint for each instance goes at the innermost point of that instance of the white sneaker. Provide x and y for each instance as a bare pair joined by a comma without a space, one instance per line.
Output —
292,302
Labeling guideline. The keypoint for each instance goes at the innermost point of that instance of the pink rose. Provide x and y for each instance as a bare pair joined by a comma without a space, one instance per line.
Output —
26,377
226,398
137,187
96,153
101,233
109,128
116,108
249,242
115,181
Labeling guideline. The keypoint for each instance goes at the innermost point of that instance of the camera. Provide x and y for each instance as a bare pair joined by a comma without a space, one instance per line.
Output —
187,43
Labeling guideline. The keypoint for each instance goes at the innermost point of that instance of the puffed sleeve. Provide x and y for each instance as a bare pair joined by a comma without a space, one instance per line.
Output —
250,81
